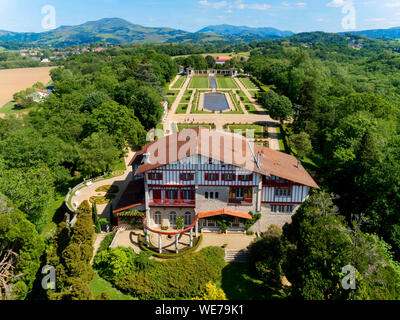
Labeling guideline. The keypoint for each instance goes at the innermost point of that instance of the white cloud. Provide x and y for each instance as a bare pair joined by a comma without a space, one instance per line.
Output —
301,4
259,6
238,4
336,3
393,4
375,20
215,5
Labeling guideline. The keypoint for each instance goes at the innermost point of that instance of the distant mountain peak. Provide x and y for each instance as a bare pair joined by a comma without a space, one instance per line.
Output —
227,29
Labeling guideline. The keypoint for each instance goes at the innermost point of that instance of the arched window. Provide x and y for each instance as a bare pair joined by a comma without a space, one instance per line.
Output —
157,218
172,218
188,219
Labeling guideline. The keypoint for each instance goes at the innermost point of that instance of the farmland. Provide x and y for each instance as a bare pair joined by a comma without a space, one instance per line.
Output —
14,80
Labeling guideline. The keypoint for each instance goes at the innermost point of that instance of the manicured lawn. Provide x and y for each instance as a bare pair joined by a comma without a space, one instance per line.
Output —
171,100
99,285
186,98
178,84
226,83
248,83
186,126
160,127
239,283
199,83
182,108
281,143
259,130
252,109
245,100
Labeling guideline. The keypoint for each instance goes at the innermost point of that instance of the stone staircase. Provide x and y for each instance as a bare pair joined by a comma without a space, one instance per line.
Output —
233,255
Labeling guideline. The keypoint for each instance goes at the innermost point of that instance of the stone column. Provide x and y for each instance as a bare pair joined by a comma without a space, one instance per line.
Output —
159,243
176,243
191,237
197,228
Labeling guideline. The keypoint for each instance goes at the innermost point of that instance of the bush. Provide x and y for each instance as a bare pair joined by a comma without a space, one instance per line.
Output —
105,244
182,278
211,292
113,263
267,255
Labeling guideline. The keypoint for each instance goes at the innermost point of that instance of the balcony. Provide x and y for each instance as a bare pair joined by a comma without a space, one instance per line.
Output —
172,203
240,202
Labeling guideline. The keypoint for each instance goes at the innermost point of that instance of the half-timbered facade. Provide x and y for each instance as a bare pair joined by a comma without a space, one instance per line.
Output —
199,179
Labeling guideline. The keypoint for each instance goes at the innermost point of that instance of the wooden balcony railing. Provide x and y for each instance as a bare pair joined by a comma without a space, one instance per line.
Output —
172,202
241,202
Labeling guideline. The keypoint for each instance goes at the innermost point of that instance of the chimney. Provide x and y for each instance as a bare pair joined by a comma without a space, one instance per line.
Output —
298,164
146,157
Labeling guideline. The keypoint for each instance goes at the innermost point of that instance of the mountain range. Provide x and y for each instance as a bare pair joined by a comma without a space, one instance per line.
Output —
119,31
392,33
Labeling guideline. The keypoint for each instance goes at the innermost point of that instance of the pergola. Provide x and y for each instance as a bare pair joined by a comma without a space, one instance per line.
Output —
195,226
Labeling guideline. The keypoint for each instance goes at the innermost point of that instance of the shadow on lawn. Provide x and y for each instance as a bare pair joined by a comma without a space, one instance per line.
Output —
239,283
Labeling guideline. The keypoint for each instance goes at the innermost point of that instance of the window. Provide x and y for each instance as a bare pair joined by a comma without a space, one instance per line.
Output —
206,195
211,177
239,193
246,177
172,218
283,192
188,219
228,177
187,176
172,195
282,209
155,176
217,195
157,195
157,218
211,195
187,195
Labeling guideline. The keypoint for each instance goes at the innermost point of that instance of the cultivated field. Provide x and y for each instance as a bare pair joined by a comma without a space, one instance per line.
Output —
14,80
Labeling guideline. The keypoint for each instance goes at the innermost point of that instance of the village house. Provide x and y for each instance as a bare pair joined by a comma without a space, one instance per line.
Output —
199,174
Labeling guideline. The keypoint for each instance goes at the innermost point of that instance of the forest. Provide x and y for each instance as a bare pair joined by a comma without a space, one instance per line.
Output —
339,112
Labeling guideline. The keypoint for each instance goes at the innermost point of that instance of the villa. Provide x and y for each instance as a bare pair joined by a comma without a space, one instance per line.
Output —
200,174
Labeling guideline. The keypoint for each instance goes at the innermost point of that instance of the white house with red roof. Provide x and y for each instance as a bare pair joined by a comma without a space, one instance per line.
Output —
200,174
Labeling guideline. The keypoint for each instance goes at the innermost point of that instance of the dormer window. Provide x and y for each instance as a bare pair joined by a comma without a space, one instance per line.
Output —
187,176
286,192
229,177
211,176
246,177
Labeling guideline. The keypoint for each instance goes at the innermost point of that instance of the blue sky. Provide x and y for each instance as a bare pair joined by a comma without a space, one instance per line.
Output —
191,15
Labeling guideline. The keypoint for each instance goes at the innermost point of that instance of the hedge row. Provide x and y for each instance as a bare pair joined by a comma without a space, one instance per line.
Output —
143,246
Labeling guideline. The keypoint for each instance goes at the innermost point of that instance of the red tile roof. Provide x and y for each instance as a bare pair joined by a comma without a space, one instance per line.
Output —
208,214
225,147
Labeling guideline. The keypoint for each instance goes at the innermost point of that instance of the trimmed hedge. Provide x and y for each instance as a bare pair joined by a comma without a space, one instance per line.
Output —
143,247
105,244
